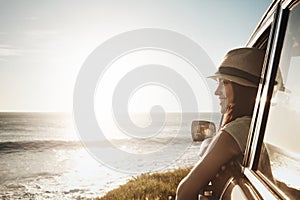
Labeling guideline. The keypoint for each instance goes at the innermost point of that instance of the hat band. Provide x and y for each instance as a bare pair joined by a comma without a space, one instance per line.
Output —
239,73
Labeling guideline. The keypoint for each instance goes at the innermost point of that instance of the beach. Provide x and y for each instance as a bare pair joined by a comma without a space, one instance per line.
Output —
42,156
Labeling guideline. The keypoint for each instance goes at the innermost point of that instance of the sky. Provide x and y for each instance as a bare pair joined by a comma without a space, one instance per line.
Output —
43,44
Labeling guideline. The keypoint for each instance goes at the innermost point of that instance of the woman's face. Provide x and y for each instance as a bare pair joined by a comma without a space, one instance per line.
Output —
225,93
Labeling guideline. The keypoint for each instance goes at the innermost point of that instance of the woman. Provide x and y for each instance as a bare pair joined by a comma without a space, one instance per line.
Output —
238,77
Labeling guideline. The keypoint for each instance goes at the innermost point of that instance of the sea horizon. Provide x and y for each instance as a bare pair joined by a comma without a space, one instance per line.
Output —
42,157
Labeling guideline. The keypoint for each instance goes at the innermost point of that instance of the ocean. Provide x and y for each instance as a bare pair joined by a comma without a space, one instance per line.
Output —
42,157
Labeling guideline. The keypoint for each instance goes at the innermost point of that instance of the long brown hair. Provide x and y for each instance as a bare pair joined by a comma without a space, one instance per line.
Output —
243,103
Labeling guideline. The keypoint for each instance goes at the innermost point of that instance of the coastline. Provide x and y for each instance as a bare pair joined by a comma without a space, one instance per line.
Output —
43,159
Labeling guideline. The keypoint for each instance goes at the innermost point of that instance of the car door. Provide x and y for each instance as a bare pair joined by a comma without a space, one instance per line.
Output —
271,167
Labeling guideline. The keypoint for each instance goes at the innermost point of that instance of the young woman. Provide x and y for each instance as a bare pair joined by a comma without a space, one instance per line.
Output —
238,77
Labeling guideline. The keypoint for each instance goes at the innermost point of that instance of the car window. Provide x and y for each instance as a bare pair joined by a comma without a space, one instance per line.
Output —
280,155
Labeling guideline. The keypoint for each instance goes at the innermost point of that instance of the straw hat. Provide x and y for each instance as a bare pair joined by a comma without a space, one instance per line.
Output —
242,66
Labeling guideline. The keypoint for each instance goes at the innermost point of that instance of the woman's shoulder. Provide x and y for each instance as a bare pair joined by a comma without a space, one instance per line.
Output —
241,121
239,129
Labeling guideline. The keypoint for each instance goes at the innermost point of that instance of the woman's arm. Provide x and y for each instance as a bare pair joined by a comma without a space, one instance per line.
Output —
223,150
205,146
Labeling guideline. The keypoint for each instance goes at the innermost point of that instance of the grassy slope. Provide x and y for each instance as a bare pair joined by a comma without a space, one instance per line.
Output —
156,186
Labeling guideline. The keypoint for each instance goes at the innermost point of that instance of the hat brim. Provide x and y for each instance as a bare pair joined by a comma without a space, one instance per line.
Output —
235,79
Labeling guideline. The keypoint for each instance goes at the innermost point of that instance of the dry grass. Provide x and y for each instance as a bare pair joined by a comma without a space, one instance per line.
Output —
156,186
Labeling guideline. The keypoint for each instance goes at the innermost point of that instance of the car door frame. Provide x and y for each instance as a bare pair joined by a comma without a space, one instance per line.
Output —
253,185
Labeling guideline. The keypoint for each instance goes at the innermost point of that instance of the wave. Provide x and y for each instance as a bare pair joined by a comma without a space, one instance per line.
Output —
281,152
37,145
43,145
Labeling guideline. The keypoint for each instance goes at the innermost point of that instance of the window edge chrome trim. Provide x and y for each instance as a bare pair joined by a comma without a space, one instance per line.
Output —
270,76
249,155
264,23
259,185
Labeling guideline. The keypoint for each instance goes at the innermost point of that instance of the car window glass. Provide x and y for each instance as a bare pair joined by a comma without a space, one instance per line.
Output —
280,155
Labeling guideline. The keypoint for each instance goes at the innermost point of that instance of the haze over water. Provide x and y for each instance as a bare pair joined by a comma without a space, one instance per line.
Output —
41,157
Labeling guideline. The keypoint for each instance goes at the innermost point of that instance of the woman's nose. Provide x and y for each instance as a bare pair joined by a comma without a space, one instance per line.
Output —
218,91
